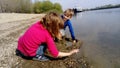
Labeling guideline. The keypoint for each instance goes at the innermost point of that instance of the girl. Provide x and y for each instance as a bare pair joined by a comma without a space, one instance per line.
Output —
33,43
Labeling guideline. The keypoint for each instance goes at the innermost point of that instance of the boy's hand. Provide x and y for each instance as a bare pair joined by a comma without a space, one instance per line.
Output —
74,42
59,36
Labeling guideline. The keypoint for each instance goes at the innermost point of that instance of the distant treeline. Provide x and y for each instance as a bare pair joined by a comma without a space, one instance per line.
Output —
106,7
27,6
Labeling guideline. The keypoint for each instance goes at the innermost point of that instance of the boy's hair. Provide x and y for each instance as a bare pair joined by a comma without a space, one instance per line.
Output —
52,22
69,12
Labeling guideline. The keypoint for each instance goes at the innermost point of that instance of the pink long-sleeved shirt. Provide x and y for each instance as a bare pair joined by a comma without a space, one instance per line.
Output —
29,42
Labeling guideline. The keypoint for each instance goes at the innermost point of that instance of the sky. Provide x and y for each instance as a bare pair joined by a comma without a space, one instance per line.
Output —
84,3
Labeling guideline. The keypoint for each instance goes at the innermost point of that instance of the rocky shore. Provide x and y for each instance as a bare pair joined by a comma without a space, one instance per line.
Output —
12,25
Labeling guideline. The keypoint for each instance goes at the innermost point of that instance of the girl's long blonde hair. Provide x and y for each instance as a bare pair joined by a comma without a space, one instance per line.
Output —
53,23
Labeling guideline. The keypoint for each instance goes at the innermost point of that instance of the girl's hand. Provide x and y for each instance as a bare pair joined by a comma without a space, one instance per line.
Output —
74,51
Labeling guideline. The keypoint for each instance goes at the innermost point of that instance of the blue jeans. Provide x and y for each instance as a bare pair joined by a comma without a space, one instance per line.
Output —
41,50
40,53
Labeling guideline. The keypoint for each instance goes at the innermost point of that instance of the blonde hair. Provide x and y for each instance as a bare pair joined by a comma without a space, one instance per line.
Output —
69,12
53,23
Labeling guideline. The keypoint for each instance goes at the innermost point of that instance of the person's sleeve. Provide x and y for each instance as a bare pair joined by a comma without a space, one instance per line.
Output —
65,25
71,29
51,46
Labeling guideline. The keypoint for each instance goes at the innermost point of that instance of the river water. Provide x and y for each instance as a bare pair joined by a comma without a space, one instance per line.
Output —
100,32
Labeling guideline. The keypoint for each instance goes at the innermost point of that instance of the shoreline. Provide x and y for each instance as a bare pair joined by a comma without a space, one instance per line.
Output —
14,25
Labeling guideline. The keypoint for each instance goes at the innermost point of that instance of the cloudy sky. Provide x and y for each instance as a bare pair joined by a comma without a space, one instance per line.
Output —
84,3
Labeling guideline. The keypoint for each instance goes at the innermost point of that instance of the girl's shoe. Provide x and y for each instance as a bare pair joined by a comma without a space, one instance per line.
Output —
41,58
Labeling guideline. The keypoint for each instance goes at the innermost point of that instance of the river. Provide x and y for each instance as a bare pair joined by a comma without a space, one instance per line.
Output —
100,32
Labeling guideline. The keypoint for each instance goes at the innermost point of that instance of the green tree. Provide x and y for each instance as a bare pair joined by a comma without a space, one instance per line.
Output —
40,7
58,7
46,6
37,7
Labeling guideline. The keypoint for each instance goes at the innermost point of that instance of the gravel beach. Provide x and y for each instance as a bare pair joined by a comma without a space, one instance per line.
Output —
12,25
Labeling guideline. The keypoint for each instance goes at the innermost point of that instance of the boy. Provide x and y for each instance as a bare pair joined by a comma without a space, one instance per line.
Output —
67,15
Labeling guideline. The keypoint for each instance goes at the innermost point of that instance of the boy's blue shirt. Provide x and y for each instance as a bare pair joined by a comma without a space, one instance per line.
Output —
69,24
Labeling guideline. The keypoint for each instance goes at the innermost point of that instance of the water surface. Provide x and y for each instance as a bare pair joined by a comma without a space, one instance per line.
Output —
100,31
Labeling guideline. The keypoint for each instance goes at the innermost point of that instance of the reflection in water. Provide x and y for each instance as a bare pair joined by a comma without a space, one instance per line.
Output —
100,31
